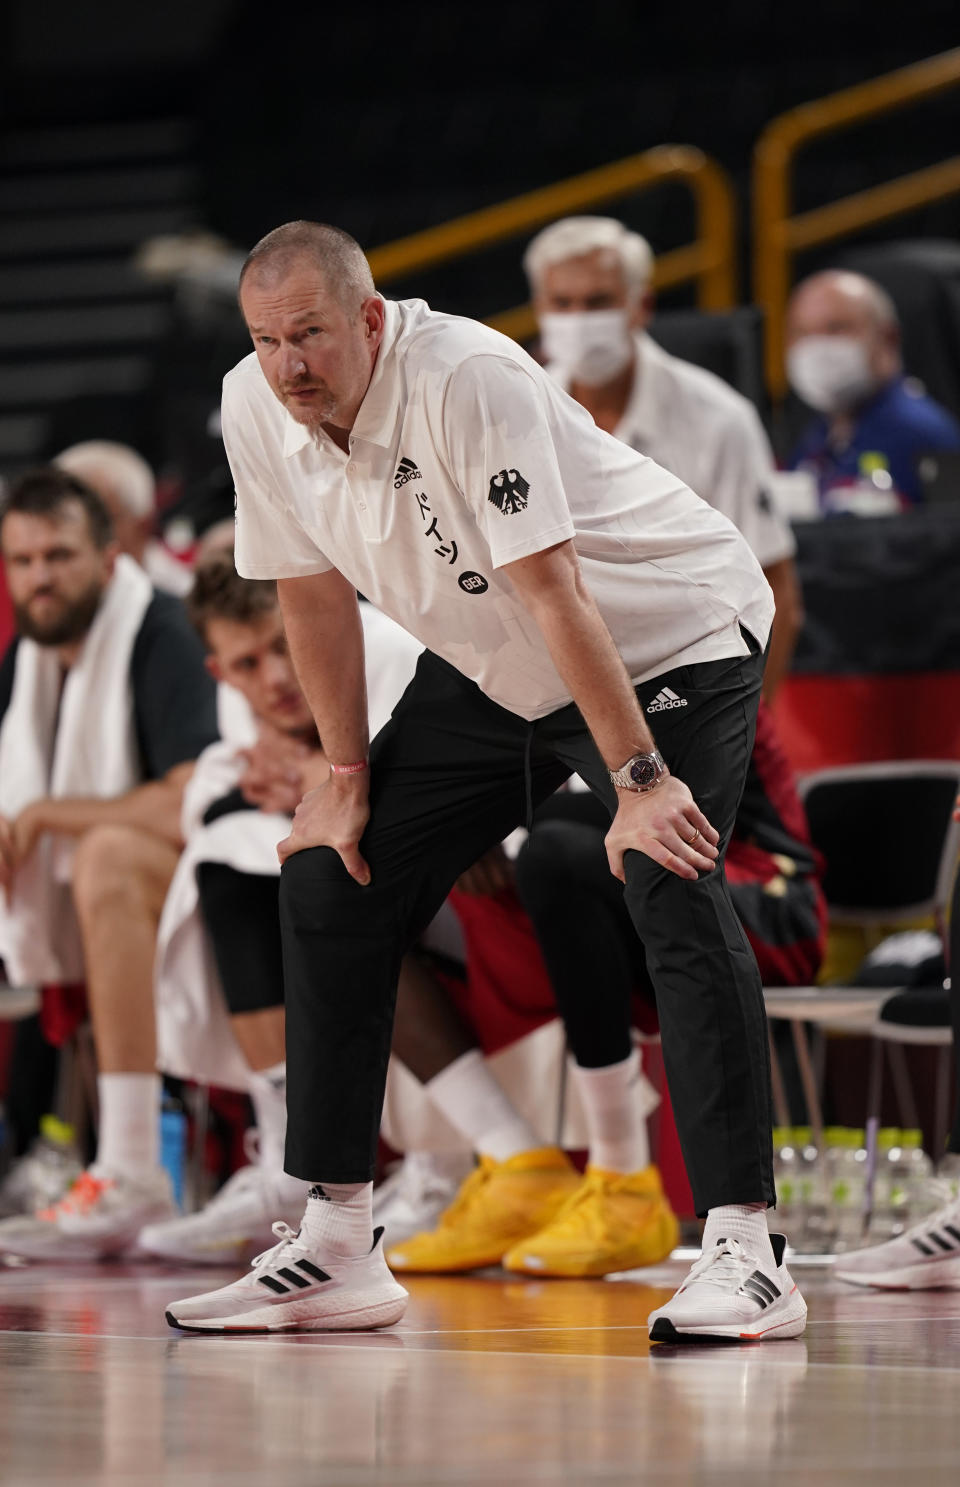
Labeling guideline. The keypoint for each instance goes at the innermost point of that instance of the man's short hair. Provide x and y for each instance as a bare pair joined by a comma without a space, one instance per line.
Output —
337,255
46,490
573,237
219,593
127,471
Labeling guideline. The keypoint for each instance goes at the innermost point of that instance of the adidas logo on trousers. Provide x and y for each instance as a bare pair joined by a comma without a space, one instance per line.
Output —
665,699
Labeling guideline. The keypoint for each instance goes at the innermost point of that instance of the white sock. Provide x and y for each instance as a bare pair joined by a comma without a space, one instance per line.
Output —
614,1110
744,1221
129,1139
475,1105
268,1092
339,1217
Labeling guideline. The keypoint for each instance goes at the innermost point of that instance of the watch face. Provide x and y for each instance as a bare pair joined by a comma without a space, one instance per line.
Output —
643,771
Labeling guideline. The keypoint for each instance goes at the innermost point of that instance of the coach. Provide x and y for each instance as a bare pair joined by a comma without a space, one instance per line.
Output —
564,587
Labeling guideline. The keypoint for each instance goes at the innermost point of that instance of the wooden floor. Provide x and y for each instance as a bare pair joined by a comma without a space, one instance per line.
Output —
487,1380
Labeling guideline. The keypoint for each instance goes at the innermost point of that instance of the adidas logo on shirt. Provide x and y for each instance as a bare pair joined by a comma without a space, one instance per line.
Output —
406,470
666,699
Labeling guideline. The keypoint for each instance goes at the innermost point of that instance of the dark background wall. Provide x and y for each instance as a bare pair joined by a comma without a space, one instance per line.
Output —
120,121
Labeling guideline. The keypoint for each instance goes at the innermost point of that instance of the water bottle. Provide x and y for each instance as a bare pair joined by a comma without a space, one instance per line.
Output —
813,1201
847,1189
173,1145
886,1218
41,1177
922,1195
832,1182
786,1180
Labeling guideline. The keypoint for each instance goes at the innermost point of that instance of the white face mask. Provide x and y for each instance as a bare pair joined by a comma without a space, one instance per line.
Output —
587,346
830,373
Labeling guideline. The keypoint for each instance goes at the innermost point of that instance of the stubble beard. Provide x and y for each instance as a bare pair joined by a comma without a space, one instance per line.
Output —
70,625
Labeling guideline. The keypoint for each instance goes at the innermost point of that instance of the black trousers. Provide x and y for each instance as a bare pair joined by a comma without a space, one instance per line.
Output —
451,774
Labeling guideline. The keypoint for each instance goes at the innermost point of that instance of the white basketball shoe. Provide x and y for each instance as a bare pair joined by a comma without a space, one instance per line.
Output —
235,1225
99,1218
730,1294
924,1258
411,1199
295,1287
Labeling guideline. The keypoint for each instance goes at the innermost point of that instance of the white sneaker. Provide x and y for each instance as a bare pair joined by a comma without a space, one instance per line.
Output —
925,1258
293,1288
233,1226
730,1294
411,1200
99,1218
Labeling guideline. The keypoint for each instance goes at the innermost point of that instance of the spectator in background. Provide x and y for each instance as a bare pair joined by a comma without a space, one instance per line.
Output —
875,425
591,283
105,703
125,484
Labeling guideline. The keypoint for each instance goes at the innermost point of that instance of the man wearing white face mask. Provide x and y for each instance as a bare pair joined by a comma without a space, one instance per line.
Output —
590,280
843,359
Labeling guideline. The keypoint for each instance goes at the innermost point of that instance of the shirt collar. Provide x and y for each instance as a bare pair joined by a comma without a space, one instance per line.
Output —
376,420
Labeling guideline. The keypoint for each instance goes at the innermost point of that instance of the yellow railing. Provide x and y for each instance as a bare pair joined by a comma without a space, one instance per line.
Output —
709,260
778,234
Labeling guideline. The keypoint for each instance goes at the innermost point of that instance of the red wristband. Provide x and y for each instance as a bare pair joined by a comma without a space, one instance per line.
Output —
357,768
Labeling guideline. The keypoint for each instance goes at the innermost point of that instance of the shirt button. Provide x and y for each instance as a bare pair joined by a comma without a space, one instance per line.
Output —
362,506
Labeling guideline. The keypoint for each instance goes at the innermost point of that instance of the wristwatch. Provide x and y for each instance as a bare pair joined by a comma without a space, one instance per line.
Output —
640,773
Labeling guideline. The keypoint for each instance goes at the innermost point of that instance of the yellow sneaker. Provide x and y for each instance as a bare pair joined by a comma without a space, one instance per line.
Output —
500,1204
612,1222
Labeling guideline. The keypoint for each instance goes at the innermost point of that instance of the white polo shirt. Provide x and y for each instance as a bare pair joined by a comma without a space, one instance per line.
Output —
701,429
466,456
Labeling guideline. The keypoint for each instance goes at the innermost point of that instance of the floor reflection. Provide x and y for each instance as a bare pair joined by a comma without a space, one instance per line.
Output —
488,1380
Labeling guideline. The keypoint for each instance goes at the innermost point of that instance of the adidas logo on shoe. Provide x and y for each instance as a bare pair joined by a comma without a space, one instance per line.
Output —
406,470
761,1288
666,699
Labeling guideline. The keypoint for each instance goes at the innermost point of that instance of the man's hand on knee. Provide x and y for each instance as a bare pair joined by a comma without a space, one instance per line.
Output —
667,825
334,815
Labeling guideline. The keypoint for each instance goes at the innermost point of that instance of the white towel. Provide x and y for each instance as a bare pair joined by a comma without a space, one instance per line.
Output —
80,741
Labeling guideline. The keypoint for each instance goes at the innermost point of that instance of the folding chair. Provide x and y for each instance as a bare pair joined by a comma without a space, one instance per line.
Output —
890,847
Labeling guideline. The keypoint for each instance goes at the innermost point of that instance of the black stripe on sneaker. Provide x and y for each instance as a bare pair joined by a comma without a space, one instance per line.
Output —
292,1275
273,1285
951,1230
764,1281
751,1288
311,1269
939,1239
923,1248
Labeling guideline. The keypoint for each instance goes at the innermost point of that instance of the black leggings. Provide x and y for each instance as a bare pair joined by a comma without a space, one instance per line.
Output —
242,917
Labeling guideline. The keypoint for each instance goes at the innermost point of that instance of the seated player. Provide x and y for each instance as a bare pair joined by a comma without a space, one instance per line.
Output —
219,972
105,705
515,1209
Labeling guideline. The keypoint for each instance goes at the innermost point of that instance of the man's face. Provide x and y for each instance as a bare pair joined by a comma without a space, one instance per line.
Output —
252,656
592,281
317,358
824,308
56,574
